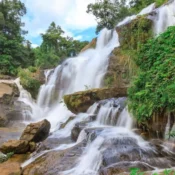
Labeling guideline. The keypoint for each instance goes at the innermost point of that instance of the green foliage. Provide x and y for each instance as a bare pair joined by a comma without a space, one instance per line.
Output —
153,90
135,171
55,47
172,134
136,33
29,81
4,157
32,69
108,14
160,2
14,51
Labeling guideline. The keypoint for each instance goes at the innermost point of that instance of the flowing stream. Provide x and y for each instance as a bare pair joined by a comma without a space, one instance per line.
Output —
110,139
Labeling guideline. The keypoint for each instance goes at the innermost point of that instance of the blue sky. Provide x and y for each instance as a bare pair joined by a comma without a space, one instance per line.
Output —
69,14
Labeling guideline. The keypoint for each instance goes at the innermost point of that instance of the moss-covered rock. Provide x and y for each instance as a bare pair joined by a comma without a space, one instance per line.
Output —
81,101
8,96
16,146
91,45
122,67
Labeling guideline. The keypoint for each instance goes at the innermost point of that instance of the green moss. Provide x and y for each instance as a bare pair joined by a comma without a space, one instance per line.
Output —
160,2
135,33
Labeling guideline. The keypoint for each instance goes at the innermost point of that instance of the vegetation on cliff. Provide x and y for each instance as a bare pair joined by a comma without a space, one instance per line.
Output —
153,89
108,13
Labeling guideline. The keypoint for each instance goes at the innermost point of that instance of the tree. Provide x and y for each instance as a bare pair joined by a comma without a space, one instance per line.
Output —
108,14
12,49
55,47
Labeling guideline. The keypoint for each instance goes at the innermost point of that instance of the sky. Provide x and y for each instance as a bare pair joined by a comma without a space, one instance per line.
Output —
69,14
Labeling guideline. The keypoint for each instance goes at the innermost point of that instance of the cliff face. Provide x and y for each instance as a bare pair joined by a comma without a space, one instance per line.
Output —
121,67
121,63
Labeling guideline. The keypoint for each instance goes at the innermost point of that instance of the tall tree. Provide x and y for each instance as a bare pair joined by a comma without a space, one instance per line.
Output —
11,35
108,13
55,47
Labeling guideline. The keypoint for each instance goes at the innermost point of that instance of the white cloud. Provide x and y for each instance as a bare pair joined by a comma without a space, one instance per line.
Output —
79,37
69,14
34,45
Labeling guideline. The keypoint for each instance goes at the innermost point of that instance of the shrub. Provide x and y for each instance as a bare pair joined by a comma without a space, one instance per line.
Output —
29,81
153,90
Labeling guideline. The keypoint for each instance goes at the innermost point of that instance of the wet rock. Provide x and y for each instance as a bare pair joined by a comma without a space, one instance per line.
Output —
76,130
122,167
3,121
16,146
12,165
121,149
66,122
36,132
81,101
54,162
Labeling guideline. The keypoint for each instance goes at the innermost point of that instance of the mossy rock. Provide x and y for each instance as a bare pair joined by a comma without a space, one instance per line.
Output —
81,101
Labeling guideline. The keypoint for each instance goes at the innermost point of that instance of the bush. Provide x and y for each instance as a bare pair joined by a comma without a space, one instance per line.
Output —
29,81
153,90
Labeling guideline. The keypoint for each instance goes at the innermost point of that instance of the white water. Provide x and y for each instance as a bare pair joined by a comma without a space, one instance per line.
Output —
87,70
145,11
162,19
90,161
165,17
75,74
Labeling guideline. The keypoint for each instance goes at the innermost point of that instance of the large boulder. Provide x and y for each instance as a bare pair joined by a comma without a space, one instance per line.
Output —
81,101
36,132
3,121
9,110
16,146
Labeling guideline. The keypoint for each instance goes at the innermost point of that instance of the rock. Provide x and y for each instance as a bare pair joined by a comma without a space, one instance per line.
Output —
10,168
12,165
55,162
123,167
36,132
75,132
9,94
32,146
91,45
81,101
66,122
5,89
3,121
16,146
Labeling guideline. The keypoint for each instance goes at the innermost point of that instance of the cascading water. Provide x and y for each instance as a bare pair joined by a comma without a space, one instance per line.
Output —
110,139
165,17
75,74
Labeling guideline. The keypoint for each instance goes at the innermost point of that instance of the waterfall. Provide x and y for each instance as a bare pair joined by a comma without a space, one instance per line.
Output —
165,17
110,136
145,11
74,74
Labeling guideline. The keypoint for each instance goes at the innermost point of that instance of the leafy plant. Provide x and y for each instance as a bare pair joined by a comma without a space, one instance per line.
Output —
153,90
4,157
29,81
135,171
